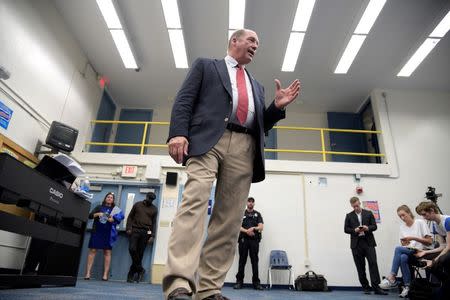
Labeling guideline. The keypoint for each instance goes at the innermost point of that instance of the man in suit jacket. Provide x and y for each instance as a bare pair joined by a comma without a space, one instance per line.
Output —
360,224
217,130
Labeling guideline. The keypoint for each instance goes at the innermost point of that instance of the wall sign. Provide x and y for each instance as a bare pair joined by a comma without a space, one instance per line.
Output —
374,208
5,115
129,171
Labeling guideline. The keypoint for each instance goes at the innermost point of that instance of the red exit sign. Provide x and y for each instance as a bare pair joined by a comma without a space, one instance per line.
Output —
129,171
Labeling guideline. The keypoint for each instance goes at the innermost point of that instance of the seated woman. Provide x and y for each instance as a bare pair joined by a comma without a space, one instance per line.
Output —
104,233
414,234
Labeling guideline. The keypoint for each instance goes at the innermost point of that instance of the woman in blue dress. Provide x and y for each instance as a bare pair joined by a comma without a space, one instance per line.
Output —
104,233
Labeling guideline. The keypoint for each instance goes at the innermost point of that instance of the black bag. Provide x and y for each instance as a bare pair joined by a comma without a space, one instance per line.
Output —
420,289
311,282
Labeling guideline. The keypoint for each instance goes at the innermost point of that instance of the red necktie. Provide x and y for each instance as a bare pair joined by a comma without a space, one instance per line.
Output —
242,108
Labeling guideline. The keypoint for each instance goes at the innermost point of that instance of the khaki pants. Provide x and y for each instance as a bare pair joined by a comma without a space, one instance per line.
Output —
201,266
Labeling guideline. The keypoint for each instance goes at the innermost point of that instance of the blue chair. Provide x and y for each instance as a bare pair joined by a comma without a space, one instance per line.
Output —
279,261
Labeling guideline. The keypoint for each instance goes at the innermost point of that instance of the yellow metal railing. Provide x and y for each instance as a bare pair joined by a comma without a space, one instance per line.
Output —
323,151
142,145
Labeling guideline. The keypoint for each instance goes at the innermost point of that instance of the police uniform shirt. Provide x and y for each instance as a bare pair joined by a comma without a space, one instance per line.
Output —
251,219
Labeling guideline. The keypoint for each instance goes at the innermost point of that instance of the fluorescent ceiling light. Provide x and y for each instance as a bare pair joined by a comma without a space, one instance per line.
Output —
350,52
236,14
303,14
442,27
292,51
371,13
178,48
124,48
171,14
418,57
109,14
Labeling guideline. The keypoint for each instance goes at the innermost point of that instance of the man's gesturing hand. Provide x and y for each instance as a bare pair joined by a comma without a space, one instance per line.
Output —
178,148
283,97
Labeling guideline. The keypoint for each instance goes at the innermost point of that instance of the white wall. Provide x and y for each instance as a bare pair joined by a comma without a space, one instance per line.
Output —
283,214
50,80
49,73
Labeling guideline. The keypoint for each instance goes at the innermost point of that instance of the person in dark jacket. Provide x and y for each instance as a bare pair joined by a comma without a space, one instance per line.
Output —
104,233
360,224
141,224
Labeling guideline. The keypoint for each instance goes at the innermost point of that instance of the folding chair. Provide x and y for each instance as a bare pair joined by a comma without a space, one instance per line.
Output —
279,261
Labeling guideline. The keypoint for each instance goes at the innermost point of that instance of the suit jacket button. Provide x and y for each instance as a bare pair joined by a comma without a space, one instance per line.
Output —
226,119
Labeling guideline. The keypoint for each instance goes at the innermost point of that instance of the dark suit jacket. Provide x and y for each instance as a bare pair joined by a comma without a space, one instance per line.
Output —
351,222
203,107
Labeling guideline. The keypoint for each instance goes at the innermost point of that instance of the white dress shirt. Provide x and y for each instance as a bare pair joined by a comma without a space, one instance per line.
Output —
231,66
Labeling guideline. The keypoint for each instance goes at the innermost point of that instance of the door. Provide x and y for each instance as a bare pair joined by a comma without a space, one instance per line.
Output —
126,196
344,141
102,132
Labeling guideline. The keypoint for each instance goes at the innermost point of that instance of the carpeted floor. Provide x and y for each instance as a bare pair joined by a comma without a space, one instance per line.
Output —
111,290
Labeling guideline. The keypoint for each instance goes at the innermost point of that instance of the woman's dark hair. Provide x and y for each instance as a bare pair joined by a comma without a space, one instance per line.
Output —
114,199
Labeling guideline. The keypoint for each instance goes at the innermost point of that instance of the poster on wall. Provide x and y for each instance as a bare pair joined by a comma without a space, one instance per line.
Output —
373,207
5,115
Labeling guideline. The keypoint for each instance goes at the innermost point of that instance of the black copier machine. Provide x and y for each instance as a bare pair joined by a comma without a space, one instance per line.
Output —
42,224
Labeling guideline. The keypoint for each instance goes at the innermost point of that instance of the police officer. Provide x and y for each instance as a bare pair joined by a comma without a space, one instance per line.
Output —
249,238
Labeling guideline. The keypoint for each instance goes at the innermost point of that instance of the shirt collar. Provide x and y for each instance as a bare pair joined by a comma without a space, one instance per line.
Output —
231,61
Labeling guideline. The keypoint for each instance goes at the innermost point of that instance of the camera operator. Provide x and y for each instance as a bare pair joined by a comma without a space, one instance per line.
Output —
439,235
440,266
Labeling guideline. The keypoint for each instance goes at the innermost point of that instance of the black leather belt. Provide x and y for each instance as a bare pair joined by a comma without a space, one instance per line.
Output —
240,129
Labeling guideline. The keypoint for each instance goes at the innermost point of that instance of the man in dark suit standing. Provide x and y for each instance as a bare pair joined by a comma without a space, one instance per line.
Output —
360,224
217,130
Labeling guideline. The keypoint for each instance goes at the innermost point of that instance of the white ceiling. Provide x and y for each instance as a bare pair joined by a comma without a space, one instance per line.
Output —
400,28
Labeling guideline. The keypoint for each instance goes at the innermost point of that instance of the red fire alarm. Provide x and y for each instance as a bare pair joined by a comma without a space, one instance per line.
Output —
359,190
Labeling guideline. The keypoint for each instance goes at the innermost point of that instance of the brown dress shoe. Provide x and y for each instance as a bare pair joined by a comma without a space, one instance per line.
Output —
180,294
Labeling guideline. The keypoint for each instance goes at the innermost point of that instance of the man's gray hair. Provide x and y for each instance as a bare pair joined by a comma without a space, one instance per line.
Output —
237,34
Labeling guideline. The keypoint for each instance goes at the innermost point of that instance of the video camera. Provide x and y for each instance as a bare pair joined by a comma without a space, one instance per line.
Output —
431,194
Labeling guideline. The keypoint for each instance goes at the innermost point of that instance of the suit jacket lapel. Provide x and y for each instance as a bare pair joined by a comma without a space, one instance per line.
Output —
224,76
355,218
363,216
256,96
